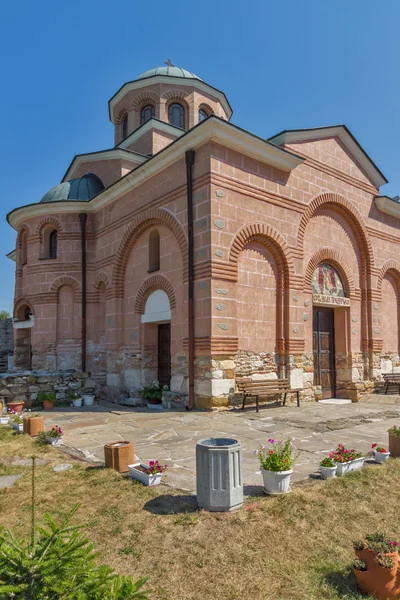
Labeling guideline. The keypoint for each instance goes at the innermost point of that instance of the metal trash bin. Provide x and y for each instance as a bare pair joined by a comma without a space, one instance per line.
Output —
219,474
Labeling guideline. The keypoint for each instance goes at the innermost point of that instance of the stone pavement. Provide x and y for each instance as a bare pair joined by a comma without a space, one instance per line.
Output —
170,436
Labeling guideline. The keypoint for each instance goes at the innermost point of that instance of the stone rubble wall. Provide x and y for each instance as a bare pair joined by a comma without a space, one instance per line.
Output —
6,343
26,385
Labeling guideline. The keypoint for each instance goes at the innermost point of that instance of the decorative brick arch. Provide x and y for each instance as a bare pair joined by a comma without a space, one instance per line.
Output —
327,255
153,216
391,267
269,237
65,280
150,285
50,220
21,302
146,97
206,107
352,217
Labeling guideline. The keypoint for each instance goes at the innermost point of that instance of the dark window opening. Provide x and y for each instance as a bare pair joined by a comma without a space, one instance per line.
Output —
154,251
125,127
176,115
147,113
53,238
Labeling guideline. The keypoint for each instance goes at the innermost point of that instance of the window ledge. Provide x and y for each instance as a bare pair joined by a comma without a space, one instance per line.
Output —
153,270
47,258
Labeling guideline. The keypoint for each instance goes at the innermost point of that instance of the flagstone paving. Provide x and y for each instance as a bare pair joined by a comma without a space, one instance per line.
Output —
170,436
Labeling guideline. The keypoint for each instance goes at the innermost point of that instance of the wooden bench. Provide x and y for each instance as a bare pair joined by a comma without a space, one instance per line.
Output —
389,378
266,387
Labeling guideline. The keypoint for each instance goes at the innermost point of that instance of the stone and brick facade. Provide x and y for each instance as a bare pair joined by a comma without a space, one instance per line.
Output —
267,214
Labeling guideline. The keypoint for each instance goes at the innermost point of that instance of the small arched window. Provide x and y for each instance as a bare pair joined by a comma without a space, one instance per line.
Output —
176,115
154,251
24,249
27,314
125,126
53,239
202,115
147,113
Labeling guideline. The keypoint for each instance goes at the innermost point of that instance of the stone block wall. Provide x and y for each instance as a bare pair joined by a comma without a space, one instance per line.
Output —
6,343
27,385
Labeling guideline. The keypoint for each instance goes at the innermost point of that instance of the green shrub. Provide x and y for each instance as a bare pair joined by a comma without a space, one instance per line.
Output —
394,431
50,396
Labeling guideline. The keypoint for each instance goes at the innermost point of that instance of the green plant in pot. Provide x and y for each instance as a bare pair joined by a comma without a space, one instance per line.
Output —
74,396
47,399
153,393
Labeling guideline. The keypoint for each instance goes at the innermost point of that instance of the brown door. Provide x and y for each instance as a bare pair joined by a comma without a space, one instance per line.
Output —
324,350
164,354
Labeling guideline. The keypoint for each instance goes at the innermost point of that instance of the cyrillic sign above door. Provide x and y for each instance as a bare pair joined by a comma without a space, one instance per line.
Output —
327,287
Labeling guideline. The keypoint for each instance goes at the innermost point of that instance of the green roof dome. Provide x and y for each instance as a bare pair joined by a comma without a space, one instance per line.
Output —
83,188
170,71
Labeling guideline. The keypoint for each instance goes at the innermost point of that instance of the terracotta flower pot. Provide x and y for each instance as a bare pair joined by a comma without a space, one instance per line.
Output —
378,581
118,455
365,554
394,445
16,406
33,425
48,405
364,581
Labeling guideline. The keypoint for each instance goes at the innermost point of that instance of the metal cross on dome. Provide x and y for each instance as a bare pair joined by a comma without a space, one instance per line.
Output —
169,63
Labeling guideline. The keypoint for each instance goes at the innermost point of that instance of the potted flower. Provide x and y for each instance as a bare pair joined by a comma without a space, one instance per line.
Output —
378,577
88,399
54,435
33,424
17,421
4,419
276,461
147,474
346,460
328,468
361,572
74,396
47,399
15,406
380,454
153,393
394,441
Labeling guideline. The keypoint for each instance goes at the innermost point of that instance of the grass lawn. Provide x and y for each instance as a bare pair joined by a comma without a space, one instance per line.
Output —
292,547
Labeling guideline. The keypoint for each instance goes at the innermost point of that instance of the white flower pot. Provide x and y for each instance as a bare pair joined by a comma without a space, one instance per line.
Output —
17,426
351,465
4,420
327,472
88,400
135,473
276,482
54,441
77,403
381,457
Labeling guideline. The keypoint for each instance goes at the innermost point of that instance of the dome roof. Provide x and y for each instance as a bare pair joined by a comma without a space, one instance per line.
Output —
83,188
170,71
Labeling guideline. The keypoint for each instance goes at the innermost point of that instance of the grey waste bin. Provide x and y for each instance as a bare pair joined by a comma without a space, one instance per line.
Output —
219,474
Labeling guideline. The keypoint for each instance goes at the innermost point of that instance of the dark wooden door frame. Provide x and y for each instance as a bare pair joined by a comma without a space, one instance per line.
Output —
316,353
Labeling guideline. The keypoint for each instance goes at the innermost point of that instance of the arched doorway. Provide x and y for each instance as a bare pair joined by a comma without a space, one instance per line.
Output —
23,324
156,320
329,326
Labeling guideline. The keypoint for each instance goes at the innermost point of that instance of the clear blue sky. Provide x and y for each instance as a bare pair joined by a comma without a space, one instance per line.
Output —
282,64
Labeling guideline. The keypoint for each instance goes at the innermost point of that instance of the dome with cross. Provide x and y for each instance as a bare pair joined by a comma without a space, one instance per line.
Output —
170,70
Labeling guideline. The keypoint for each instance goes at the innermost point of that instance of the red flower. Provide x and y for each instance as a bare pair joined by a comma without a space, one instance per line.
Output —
374,445
271,452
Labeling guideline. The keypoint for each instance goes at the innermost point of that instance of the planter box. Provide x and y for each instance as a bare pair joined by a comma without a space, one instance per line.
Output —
17,426
137,474
276,482
327,472
351,465
54,441
33,425
381,457
394,446
4,420
119,455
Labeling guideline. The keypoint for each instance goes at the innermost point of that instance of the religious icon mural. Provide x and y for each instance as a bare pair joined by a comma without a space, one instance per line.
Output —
326,281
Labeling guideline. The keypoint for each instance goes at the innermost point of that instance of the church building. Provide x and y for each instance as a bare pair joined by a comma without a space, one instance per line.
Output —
194,252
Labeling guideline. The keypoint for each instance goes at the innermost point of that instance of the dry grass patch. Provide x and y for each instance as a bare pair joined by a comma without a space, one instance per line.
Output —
294,547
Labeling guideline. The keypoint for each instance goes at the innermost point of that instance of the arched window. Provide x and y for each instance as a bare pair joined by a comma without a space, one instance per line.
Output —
53,238
125,126
176,115
147,113
202,115
24,249
154,251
